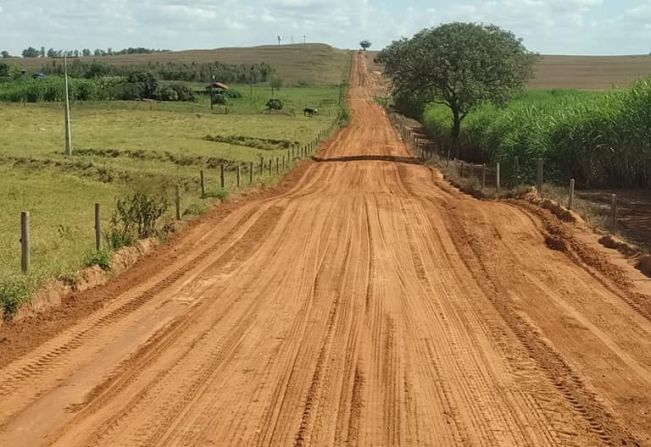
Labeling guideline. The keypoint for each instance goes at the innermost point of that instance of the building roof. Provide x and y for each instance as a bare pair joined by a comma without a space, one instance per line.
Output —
219,85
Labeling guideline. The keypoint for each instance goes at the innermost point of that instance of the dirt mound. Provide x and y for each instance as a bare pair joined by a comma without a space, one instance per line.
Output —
644,265
531,195
612,242
556,242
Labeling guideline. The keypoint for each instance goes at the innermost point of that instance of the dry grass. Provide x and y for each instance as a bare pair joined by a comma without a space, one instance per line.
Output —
590,72
315,64
584,72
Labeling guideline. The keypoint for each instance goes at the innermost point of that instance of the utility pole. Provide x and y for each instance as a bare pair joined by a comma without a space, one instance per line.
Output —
251,78
279,39
212,93
304,39
68,136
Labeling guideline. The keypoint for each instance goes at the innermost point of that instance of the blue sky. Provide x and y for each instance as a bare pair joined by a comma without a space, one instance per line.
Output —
547,26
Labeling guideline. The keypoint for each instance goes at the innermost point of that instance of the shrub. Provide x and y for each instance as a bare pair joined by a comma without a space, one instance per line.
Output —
219,193
233,94
168,94
183,93
195,209
100,258
274,104
344,117
136,216
13,292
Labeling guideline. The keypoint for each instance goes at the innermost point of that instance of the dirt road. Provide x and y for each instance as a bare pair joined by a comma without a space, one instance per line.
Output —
370,304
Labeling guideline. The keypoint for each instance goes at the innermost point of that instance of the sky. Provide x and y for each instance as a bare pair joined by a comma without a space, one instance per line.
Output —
591,27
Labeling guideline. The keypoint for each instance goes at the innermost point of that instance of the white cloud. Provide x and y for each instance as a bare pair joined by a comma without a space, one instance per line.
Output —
556,26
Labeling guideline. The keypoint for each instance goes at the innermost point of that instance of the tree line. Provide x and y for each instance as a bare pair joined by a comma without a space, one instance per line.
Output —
168,71
31,52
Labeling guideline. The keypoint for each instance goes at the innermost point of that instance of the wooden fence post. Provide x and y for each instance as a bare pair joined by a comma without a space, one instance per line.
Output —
202,182
239,174
270,167
25,259
221,176
483,176
539,175
277,166
261,165
497,177
98,227
516,168
284,163
613,210
251,173
178,202
461,168
570,202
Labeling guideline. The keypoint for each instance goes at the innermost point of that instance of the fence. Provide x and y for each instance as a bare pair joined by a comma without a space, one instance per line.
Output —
234,175
498,176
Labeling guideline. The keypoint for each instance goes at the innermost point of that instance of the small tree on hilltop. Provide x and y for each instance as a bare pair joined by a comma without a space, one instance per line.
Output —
30,52
460,65
365,44
5,54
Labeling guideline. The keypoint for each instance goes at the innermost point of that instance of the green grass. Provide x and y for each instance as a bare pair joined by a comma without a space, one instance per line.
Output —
118,145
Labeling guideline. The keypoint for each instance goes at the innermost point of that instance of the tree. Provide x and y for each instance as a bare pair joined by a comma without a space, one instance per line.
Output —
460,65
146,82
42,52
30,52
365,44
51,52
5,54
86,52
4,70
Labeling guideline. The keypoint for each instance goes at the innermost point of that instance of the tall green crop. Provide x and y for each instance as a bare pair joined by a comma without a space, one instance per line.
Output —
601,139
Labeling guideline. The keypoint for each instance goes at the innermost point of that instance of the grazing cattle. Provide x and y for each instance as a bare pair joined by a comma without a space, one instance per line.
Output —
308,111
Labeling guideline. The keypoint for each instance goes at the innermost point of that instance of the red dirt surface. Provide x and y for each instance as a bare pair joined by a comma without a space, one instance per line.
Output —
367,303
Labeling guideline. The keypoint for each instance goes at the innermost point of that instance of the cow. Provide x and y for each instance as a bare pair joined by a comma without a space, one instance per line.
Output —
308,111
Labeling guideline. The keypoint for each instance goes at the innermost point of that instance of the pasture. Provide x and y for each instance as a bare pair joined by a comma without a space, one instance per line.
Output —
119,146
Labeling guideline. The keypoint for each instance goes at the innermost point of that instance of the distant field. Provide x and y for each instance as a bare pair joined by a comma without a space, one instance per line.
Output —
316,64
590,72
584,72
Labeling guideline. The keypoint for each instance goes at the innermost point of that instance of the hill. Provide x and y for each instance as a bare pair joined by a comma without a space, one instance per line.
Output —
316,64
584,72
590,72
